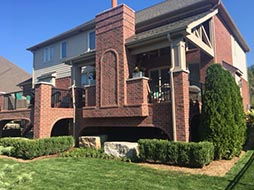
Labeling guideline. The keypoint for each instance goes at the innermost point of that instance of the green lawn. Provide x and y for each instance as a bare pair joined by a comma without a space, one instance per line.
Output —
84,173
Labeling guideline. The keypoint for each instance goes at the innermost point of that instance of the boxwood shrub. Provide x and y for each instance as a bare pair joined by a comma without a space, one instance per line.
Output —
29,149
176,153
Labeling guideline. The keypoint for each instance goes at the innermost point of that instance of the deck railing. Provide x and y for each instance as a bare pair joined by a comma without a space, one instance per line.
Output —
160,94
17,100
61,98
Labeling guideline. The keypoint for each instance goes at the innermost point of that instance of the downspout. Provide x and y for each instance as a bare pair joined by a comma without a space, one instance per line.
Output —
171,73
74,104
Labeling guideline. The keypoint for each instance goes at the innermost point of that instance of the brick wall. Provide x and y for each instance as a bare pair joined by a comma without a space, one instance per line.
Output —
245,94
63,83
223,46
44,116
113,27
137,91
159,116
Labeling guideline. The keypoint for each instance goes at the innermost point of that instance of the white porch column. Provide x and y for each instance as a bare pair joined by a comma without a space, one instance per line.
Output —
178,55
180,91
76,75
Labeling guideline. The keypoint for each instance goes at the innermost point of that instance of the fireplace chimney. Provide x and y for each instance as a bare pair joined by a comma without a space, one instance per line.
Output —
114,3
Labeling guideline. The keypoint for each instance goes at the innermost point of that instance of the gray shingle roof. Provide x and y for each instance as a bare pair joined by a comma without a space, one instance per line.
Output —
164,8
165,29
10,76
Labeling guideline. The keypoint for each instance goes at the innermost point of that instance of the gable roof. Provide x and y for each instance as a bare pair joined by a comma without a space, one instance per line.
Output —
10,76
166,7
176,26
175,9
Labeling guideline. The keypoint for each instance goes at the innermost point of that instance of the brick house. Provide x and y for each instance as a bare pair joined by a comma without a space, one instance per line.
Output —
132,75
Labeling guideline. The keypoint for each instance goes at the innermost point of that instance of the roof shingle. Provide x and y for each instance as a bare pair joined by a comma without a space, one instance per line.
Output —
10,76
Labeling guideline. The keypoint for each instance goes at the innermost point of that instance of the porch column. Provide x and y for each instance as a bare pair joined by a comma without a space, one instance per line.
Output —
76,75
77,101
180,88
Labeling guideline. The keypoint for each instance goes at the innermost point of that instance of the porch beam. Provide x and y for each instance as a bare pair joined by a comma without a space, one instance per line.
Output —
198,42
151,47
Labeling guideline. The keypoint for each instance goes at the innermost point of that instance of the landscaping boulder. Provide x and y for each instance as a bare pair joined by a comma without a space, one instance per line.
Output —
121,149
92,141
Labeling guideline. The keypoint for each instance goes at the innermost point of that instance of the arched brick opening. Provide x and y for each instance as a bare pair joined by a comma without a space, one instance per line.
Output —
13,128
131,134
16,128
62,127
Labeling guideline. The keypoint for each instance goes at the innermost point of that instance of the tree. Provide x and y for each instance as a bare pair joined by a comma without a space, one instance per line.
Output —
251,83
222,116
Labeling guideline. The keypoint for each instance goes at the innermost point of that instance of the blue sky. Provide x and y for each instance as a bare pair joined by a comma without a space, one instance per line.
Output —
24,23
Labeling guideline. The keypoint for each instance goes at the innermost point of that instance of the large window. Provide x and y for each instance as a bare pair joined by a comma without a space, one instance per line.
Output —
88,76
48,54
91,40
160,84
63,50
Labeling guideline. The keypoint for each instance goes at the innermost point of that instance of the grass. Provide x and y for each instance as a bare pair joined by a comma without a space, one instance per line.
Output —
97,174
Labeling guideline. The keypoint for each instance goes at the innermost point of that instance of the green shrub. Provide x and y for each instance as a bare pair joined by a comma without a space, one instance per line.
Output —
5,150
222,117
29,149
176,153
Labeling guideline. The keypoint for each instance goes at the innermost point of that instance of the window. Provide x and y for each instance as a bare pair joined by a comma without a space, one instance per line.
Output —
91,40
45,57
88,76
63,50
160,84
48,54
47,78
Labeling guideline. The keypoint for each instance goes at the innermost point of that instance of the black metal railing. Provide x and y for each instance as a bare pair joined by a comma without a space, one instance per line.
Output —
61,98
17,100
160,93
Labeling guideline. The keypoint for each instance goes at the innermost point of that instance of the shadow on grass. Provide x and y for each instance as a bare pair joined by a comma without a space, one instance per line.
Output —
237,178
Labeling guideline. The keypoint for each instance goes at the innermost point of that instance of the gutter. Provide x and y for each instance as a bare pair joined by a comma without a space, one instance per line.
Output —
173,107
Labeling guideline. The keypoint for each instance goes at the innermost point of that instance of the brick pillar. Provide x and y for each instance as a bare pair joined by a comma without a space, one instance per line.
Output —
113,27
181,89
42,114
181,83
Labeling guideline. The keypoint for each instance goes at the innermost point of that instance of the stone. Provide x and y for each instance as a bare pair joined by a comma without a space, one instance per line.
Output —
121,149
92,141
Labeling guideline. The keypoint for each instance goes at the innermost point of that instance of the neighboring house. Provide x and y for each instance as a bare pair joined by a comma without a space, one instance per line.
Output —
10,76
133,74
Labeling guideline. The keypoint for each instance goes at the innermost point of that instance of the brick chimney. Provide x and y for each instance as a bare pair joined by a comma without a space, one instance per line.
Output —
113,27
114,3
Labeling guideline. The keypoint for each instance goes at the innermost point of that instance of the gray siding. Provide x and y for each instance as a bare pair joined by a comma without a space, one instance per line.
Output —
76,45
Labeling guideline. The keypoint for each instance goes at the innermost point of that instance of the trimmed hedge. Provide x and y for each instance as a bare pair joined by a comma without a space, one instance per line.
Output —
192,154
29,149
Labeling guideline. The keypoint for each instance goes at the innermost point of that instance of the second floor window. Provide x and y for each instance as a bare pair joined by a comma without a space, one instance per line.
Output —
48,54
91,40
63,50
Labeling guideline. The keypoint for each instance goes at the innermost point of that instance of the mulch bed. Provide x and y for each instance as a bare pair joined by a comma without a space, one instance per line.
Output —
216,168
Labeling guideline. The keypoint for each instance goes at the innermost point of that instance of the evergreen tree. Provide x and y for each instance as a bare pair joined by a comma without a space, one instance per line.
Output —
222,117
